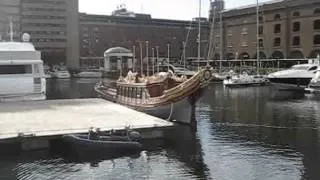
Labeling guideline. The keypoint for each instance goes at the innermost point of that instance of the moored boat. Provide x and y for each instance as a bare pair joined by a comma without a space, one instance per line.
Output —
22,75
163,95
101,144
295,78
245,80
89,74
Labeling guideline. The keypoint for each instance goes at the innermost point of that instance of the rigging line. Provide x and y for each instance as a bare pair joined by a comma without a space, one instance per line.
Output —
185,44
211,38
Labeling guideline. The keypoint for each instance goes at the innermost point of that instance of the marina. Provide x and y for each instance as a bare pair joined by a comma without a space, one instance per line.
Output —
229,94
247,126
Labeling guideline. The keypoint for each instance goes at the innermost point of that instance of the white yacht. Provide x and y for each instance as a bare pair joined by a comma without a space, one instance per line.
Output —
245,80
21,72
179,71
295,78
61,73
89,74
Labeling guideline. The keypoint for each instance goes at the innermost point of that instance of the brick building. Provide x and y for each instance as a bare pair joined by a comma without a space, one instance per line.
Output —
287,29
100,32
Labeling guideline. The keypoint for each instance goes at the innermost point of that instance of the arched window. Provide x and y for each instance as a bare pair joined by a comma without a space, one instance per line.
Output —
277,17
316,11
260,42
296,14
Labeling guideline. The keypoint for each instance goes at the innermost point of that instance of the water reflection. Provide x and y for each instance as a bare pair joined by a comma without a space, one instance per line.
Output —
175,157
254,134
244,133
71,89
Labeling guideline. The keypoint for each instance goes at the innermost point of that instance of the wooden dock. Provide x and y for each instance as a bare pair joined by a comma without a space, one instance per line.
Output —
59,117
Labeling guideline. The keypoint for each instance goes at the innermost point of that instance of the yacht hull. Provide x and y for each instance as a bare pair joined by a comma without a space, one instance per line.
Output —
181,111
290,83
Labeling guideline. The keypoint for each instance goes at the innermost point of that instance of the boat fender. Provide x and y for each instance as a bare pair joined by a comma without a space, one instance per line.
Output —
207,75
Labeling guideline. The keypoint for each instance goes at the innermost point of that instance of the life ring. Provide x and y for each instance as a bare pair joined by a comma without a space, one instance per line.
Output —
207,75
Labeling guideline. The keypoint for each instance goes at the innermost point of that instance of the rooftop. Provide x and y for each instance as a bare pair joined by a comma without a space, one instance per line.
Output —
116,50
16,46
253,5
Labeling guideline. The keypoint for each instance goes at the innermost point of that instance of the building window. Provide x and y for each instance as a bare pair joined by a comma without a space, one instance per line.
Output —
277,17
260,30
260,18
296,14
316,24
316,11
316,40
296,27
244,31
277,28
277,42
229,33
296,41
260,42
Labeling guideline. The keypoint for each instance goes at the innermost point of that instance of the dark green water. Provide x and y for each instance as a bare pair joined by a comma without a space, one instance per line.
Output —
241,134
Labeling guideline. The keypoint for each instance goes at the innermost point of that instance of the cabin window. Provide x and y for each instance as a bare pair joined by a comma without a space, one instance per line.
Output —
313,68
36,69
317,11
37,80
16,69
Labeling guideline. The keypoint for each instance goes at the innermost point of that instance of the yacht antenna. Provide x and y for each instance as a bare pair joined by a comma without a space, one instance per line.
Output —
11,29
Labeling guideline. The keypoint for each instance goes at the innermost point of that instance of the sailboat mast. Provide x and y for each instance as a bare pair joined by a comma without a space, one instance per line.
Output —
157,48
199,35
11,29
141,59
134,58
221,50
258,45
147,55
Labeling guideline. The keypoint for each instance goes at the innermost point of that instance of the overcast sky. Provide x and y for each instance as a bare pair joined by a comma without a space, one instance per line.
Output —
164,9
